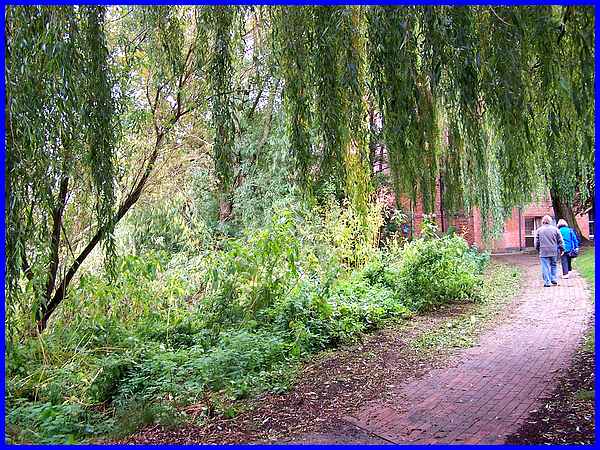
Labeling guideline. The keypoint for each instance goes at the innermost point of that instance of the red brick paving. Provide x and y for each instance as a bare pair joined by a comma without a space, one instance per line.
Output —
491,391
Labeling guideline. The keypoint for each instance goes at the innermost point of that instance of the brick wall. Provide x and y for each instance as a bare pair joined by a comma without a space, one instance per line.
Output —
469,225
510,237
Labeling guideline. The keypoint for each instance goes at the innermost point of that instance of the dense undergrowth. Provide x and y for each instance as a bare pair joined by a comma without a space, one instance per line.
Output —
224,323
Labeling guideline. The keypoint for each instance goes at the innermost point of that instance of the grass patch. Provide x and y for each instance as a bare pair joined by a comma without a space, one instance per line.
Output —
585,265
500,283
589,343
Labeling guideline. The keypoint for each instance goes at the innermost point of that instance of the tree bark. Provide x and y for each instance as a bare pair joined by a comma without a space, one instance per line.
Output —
564,211
46,309
57,218
225,208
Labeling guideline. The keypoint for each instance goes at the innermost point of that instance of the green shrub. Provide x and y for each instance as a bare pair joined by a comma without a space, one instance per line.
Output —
179,335
46,423
481,259
374,272
363,302
304,315
241,353
252,274
183,375
322,316
353,239
145,290
434,271
111,371
132,416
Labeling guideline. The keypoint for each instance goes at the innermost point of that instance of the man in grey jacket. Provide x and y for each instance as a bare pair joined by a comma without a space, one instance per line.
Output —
549,243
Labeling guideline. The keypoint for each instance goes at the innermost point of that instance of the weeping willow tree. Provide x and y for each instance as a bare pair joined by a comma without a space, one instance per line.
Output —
564,99
496,102
60,140
61,117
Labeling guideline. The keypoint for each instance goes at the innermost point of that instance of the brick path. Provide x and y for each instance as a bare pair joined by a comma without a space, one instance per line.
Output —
488,394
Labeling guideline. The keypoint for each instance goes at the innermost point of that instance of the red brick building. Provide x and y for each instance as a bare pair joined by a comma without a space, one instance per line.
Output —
517,232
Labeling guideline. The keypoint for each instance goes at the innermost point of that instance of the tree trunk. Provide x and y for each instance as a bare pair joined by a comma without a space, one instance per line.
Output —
225,208
57,219
563,211
47,308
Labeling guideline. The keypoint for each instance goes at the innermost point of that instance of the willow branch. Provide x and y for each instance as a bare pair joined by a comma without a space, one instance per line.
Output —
131,199
57,217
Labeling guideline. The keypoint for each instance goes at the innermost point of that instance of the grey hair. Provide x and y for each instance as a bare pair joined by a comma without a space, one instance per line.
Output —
546,219
562,223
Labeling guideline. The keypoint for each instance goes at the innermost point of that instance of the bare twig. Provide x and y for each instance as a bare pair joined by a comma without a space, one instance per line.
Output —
500,18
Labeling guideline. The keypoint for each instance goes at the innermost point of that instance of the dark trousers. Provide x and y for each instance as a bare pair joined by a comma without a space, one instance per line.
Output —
565,262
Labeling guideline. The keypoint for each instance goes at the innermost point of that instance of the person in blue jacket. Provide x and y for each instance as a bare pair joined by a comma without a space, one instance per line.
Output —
571,246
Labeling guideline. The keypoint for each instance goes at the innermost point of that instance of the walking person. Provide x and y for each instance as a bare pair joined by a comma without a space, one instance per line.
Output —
549,243
571,246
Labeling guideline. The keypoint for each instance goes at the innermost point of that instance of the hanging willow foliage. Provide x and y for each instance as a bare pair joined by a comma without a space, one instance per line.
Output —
323,63
100,129
392,58
564,101
293,36
482,93
220,21
166,39
473,96
491,73
354,72
506,93
60,132
330,108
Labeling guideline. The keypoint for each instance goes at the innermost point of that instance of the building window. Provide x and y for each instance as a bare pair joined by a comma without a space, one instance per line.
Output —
531,224
591,216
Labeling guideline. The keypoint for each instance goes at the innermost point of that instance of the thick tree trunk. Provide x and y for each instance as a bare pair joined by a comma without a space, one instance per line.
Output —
563,211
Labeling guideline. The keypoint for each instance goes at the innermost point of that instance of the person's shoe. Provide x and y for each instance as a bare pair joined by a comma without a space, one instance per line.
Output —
566,276
547,285
555,283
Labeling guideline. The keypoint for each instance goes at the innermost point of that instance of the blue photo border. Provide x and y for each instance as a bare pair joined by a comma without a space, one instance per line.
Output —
303,446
